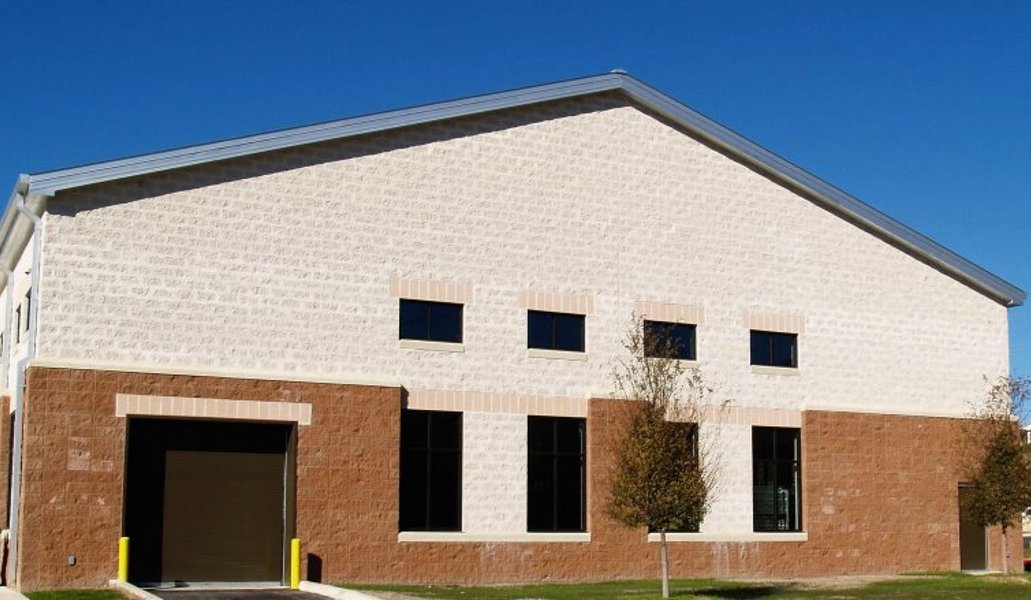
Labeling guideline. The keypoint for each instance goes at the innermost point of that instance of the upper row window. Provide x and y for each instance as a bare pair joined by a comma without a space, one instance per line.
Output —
774,349
442,322
669,340
554,331
431,321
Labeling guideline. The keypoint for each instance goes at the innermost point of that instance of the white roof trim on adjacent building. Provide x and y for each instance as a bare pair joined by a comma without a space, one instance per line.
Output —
818,191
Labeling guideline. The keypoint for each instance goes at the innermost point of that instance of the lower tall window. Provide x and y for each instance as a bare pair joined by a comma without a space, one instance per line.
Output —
555,472
776,479
431,471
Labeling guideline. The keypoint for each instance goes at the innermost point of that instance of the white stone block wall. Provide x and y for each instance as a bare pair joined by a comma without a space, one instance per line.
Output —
494,460
731,509
286,265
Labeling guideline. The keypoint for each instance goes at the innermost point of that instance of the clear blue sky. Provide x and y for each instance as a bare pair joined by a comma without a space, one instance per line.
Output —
921,109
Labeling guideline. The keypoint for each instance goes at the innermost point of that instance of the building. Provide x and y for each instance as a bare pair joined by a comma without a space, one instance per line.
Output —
391,336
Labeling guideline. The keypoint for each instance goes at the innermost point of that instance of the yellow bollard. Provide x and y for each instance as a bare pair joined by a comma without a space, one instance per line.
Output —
123,559
295,563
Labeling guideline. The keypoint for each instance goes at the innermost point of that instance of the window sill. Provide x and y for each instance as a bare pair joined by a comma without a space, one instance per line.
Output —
555,354
765,370
461,536
428,345
798,536
687,363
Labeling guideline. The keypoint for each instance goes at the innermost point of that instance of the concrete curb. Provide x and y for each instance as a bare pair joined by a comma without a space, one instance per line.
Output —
334,592
7,593
130,590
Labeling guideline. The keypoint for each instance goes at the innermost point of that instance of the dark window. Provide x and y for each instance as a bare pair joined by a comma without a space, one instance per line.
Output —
28,308
669,340
555,474
431,471
555,331
17,325
432,321
776,479
774,349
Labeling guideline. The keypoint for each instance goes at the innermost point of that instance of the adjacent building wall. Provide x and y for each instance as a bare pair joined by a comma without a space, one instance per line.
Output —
6,433
19,317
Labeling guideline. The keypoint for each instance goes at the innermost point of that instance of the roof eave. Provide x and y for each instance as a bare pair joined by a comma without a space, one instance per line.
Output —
54,181
15,229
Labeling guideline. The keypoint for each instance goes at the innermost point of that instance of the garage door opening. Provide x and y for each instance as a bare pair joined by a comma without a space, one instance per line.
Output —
207,501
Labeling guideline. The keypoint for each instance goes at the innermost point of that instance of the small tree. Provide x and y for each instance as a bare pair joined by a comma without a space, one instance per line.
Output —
667,467
998,465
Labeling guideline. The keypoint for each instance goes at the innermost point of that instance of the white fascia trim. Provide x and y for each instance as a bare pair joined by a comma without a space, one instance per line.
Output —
190,370
461,536
732,537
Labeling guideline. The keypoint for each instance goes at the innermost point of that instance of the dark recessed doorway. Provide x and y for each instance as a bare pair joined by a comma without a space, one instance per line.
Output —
206,501
973,542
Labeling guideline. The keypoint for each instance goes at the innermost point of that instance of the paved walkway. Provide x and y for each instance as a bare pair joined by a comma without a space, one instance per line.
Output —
252,594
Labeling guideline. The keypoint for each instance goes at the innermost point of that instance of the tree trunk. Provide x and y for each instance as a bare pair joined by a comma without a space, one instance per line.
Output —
665,564
1005,553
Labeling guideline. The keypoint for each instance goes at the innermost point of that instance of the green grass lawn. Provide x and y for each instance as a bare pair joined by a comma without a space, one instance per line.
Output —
76,595
950,585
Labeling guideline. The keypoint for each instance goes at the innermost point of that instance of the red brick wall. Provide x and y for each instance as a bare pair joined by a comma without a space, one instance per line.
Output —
882,493
71,487
74,458
879,493
880,497
5,456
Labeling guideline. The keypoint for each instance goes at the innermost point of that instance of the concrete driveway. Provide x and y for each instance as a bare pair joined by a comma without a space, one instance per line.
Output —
251,594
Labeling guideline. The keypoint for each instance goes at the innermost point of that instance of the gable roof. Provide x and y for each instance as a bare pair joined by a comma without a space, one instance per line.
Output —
818,191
